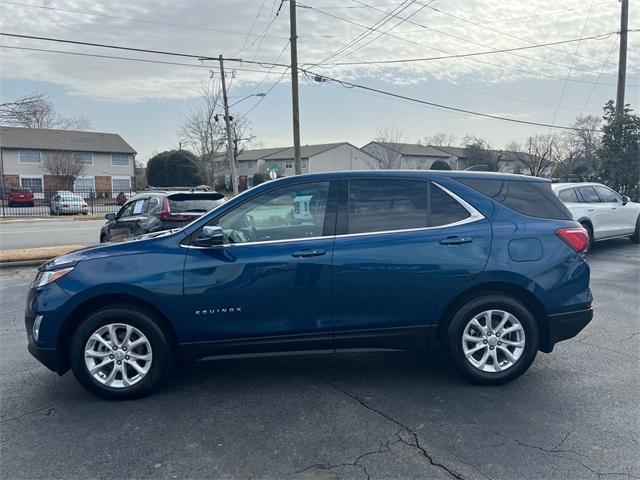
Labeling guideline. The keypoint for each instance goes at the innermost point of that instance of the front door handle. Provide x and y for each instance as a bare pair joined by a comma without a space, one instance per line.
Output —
455,240
308,253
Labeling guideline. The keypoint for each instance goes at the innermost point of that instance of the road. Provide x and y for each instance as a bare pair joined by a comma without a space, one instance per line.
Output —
48,233
573,415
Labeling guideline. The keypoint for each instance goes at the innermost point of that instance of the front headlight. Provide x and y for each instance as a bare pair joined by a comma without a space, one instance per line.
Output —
49,276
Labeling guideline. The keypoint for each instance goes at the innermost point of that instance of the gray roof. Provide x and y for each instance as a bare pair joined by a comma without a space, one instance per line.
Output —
66,140
413,149
286,153
459,152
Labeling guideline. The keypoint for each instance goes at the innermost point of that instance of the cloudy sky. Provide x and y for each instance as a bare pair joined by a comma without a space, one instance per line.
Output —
146,102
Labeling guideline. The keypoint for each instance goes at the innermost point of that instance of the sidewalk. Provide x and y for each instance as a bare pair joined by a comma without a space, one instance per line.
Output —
75,218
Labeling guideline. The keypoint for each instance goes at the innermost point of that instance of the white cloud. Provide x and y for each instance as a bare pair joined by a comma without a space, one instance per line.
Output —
121,81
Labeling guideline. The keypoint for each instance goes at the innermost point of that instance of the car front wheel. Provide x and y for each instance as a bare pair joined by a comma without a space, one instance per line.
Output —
120,352
635,238
493,339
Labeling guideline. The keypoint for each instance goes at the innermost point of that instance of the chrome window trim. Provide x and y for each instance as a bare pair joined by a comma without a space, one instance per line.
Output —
474,216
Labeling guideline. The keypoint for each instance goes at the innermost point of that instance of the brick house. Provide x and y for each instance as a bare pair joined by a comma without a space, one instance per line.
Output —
24,152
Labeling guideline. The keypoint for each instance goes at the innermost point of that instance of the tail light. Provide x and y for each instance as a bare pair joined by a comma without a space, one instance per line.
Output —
84,205
576,237
166,216
65,205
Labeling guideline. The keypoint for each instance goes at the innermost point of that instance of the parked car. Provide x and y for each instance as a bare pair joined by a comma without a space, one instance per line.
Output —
155,211
603,212
121,198
491,265
68,203
20,196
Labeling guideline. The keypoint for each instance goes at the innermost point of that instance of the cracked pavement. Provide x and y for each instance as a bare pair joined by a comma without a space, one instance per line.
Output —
574,414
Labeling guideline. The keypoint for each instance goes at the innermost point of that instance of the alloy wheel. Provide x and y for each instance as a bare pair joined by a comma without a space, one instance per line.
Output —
118,355
493,341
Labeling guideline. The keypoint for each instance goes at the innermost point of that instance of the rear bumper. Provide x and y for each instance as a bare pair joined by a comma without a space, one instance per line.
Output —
563,326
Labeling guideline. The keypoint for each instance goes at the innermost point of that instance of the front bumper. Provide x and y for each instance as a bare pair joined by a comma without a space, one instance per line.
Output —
47,356
563,326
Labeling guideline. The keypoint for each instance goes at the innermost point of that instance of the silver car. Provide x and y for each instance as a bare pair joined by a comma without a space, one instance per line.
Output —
63,203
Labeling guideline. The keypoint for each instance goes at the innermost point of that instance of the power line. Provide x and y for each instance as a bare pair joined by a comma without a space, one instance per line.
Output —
244,43
499,32
604,65
131,59
347,84
603,36
131,19
467,40
363,35
452,55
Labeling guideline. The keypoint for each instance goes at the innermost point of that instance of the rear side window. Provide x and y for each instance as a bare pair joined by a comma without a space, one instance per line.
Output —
607,195
200,202
534,199
589,195
444,208
384,204
568,195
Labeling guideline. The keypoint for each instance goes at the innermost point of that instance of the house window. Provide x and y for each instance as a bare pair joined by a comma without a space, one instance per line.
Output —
120,184
304,163
30,157
251,165
34,182
288,164
84,186
85,158
120,160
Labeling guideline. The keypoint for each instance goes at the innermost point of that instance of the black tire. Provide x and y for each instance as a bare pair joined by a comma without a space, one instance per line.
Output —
103,239
475,306
145,322
635,238
589,230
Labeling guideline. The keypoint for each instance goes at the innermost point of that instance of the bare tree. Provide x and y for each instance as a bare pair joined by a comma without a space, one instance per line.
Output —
544,151
585,140
36,111
203,132
439,140
63,167
479,154
387,149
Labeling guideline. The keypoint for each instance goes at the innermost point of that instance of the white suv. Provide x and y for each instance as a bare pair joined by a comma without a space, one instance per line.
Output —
603,212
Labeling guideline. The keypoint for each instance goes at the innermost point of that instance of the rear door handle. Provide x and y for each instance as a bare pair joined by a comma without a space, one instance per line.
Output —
455,240
308,253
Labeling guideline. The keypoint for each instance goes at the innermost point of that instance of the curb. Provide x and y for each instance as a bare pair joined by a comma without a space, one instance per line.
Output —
34,256
83,218
23,263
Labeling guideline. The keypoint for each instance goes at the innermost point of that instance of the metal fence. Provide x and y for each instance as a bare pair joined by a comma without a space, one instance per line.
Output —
46,203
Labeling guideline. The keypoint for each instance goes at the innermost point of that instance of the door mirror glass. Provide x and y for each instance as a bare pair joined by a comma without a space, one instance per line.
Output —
625,200
209,236
110,217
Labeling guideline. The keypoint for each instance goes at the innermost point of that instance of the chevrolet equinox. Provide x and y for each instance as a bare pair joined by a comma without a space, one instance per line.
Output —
490,265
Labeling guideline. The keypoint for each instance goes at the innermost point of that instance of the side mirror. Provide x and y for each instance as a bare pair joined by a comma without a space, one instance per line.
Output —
625,200
110,217
209,236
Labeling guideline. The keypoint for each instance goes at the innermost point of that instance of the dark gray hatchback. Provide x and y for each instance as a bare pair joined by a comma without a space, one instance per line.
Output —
157,210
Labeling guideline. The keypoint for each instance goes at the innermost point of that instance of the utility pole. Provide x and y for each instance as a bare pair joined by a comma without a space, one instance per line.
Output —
622,60
294,87
227,120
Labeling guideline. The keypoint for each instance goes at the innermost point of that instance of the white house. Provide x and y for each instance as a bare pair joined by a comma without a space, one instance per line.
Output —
325,157
108,160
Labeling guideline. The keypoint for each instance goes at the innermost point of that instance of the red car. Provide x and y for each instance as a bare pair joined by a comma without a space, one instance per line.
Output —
21,196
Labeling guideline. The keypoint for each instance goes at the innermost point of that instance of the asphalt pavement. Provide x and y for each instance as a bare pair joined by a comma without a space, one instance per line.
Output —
15,234
574,415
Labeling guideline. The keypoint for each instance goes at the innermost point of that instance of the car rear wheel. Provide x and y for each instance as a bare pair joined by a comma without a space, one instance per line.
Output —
635,238
589,229
120,352
493,339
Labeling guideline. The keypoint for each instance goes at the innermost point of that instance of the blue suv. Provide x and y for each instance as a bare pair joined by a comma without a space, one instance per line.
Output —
491,265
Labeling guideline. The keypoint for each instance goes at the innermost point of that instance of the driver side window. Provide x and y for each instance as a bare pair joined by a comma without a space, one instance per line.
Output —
291,212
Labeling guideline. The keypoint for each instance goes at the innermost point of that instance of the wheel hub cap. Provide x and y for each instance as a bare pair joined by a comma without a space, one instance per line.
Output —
118,355
493,341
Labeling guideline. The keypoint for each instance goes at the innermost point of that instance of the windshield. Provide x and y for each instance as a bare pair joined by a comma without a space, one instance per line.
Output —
71,198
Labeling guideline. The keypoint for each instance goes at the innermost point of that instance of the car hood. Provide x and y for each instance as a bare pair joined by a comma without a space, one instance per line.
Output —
135,245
